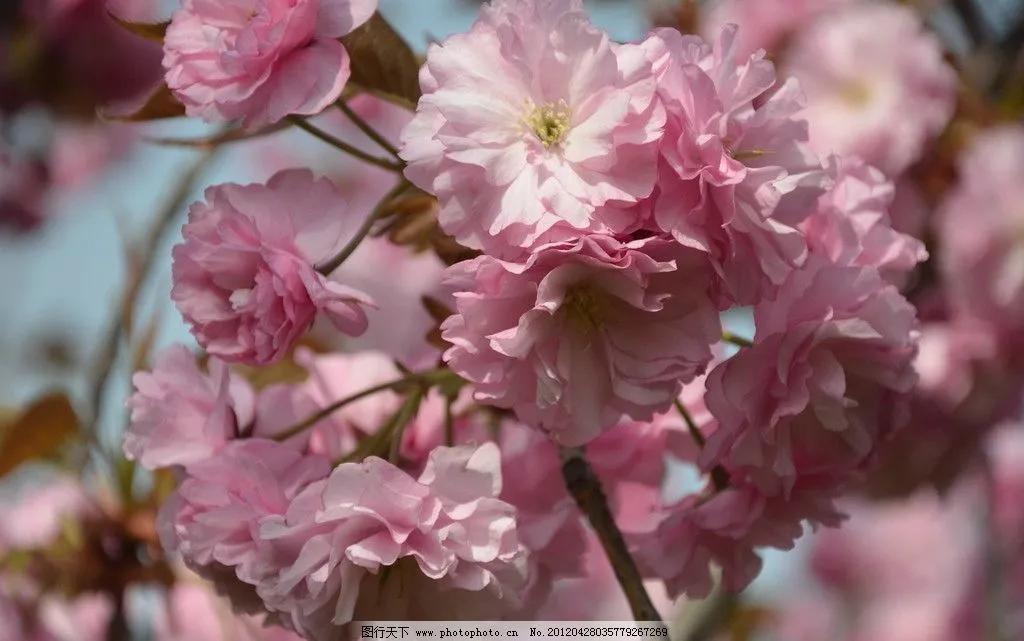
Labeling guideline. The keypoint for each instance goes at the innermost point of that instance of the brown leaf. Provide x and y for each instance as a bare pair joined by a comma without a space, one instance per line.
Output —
382,61
38,433
160,104
149,31
438,312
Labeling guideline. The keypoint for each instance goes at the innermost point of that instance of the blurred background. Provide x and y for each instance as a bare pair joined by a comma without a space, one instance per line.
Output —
934,550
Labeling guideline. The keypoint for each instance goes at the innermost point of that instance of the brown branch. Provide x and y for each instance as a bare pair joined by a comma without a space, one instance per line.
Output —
585,488
338,143
360,235
971,18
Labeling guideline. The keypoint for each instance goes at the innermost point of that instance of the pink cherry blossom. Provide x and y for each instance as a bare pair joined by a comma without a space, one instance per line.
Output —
529,124
245,277
372,542
827,377
724,528
548,522
34,515
876,82
584,332
213,518
980,224
260,60
195,613
880,549
764,24
181,415
735,172
852,226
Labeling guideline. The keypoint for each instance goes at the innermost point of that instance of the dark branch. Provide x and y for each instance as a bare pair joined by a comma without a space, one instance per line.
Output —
585,488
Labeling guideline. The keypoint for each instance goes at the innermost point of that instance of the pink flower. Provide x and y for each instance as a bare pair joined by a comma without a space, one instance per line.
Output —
81,153
826,378
582,333
529,124
181,415
193,612
213,519
260,60
724,528
33,517
886,550
372,542
980,225
548,522
764,24
735,173
851,225
245,277
876,82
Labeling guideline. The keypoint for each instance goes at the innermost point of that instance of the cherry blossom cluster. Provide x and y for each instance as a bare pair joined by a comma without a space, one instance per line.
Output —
616,199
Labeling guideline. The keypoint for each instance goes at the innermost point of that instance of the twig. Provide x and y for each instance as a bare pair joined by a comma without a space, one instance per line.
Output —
334,262
738,341
370,132
338,143
449,420
719,476
206,142
971,19
585,488
429,377
405,415
150,253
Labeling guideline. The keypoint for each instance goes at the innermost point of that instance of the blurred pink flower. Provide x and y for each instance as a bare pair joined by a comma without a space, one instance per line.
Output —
826,379
81,153
181,415
764,24
194,613
735,173
886,549
529,124
980,226
34,515
245,277
877,84
852,226
260,60
372,542
85,617
584,332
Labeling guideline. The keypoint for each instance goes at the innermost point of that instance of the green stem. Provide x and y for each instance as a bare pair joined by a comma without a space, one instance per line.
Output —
305,125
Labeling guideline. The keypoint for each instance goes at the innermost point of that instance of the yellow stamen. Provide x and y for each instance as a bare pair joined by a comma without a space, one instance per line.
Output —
550,122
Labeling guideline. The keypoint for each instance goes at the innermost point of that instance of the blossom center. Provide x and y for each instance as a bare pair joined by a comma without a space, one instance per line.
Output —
549,122
856,94
585,307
